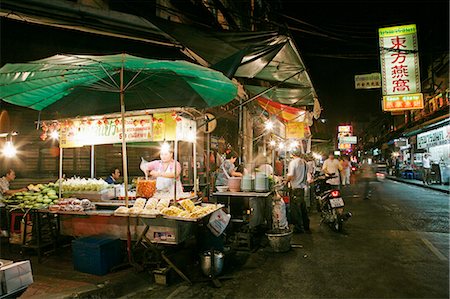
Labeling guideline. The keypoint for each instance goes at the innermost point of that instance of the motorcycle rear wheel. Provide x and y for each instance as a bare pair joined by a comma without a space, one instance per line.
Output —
338,224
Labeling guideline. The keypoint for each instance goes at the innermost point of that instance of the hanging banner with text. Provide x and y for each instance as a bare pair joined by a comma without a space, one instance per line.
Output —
297,130
400,68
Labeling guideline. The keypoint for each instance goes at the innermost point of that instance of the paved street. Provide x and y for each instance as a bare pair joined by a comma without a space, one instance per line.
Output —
395,246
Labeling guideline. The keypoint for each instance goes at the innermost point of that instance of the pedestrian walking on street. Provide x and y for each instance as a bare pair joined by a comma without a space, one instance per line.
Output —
426,164
297,177
366,175
345,172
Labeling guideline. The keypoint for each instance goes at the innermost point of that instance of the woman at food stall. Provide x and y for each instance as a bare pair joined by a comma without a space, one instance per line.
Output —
164,172
227,169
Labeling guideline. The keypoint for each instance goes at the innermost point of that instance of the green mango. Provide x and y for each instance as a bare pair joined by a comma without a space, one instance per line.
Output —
53,197
47,201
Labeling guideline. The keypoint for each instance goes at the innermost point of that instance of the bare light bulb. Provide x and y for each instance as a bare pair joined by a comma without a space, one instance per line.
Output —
54,135
9,150
269,125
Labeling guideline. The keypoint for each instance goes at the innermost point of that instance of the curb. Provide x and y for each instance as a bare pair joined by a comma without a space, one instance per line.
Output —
118,288
418,184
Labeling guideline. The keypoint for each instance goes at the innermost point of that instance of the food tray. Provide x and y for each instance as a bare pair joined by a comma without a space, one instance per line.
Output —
105,194
113,203
219,206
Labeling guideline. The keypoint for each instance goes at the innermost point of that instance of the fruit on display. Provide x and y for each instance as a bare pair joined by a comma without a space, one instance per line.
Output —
73,205
38,197
77,184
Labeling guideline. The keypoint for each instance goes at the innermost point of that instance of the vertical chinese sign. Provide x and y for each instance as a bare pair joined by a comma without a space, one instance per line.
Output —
400,68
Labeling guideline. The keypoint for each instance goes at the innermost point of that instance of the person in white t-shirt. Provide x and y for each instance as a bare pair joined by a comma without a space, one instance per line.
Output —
426,164
333,167
297,176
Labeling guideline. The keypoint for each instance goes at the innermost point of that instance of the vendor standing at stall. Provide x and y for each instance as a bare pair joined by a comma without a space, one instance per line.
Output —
227,169
164,172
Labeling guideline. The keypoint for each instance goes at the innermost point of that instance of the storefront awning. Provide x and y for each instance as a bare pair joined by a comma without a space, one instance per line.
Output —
79,17
260,59
282,112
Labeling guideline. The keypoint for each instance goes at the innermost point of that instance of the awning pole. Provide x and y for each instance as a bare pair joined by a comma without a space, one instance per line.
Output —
175,156
92,161
194,149
240,131
124,143
60,170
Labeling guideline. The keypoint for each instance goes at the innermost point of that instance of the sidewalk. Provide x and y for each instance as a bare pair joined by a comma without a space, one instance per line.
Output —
440,188
55,277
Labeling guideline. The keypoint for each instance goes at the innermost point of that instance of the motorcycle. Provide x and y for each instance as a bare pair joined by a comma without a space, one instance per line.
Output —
330,203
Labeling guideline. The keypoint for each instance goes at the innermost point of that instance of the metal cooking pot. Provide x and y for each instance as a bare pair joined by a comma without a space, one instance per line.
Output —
205,262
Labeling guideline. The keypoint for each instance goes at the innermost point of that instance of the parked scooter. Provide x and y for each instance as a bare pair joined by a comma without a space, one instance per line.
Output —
329,203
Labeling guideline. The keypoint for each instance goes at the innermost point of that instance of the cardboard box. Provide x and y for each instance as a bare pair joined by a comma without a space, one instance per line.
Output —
15,276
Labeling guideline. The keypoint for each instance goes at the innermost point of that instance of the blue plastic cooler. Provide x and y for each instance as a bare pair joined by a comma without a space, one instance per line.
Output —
96,255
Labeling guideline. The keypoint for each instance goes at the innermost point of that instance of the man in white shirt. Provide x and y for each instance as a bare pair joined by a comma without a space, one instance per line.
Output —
426,164
333,167
297,176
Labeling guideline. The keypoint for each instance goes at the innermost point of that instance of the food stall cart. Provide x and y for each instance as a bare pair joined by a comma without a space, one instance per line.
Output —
160,125
73,85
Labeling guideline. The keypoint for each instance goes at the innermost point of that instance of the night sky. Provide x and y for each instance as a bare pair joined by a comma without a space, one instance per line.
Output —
342,41
337,39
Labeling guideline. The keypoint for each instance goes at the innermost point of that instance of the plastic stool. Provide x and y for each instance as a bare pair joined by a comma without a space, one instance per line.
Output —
14,222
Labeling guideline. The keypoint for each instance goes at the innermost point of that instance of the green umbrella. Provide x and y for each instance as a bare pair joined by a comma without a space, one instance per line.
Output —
70,85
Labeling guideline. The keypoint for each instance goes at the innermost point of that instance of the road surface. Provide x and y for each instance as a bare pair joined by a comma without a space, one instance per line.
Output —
395,246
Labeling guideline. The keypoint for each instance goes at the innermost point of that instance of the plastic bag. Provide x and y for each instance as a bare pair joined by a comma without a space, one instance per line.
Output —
218,222
279,219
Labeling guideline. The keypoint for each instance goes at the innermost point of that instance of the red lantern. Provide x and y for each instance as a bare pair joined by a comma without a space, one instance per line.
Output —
178,119
99,123
160,120
117,122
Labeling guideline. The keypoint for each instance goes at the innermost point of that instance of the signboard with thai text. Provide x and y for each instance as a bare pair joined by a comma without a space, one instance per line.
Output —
348,139
440,136
295,130
400,68
368,81
344,129
105,131
403,102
